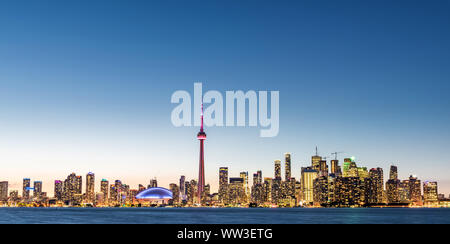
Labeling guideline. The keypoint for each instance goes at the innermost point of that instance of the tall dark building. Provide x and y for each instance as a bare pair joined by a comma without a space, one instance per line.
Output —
393,186
90,187
335,168
72,188
26,188
323,168
182,188
4,191
59,190
393,173
278,169
201,136
376,178
315,161
287,167
37,192
223,184
104,188
415,192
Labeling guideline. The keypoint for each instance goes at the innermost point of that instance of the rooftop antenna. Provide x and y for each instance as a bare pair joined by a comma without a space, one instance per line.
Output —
201,128
317,154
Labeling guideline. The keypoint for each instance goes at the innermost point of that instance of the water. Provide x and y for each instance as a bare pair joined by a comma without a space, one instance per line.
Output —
222,216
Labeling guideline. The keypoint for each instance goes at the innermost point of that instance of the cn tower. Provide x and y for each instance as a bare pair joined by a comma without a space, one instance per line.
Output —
201,136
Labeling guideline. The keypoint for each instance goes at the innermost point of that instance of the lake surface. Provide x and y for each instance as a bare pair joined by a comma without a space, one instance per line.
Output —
222,216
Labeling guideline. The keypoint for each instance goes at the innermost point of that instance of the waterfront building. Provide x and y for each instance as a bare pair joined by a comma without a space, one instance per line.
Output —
430,192
4,191
223,185
104,188
308,175
26,188
59,190
90,187
287,167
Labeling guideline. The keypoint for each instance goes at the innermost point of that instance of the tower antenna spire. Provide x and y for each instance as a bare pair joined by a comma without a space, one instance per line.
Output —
201,128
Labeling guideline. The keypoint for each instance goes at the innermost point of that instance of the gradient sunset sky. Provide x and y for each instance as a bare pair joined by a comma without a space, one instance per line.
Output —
86,86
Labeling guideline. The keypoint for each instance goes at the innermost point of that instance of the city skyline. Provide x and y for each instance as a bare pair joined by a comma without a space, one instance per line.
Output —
280,170
82,90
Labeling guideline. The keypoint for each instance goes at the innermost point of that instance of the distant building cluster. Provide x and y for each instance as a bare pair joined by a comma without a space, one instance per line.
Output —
328,185
322,184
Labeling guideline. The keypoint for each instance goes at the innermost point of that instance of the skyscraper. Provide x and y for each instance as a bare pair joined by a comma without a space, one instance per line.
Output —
393,173
90,187
307,184
201,136
335,168
287,167
72,188
37,189
153,183
393,186
244,176
4,191
377,184
430,191
315,161
59,190
278,169
26,188
223,184
415,192
104,188
182,188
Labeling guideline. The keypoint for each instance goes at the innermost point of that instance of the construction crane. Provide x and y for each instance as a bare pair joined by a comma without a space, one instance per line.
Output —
336,154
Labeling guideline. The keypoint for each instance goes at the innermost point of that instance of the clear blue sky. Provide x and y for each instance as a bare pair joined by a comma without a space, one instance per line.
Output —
86,85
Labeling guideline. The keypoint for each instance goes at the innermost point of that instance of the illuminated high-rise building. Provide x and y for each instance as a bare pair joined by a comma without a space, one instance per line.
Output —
348,191
315,161
223,184
182,188
323,168
236,192
104,188
393,173
268,189
278,169
335,168
4,191
201,136
320,190
430,192
79,184
153,183
72,189
287,166
308,176
244,176
347,164
175,193
26,188
59,190
393,191
276,191
259,177
377,185
90,187
415,192
393,186
37,189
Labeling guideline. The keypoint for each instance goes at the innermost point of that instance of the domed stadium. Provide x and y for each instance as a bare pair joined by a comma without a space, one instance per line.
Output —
155,194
